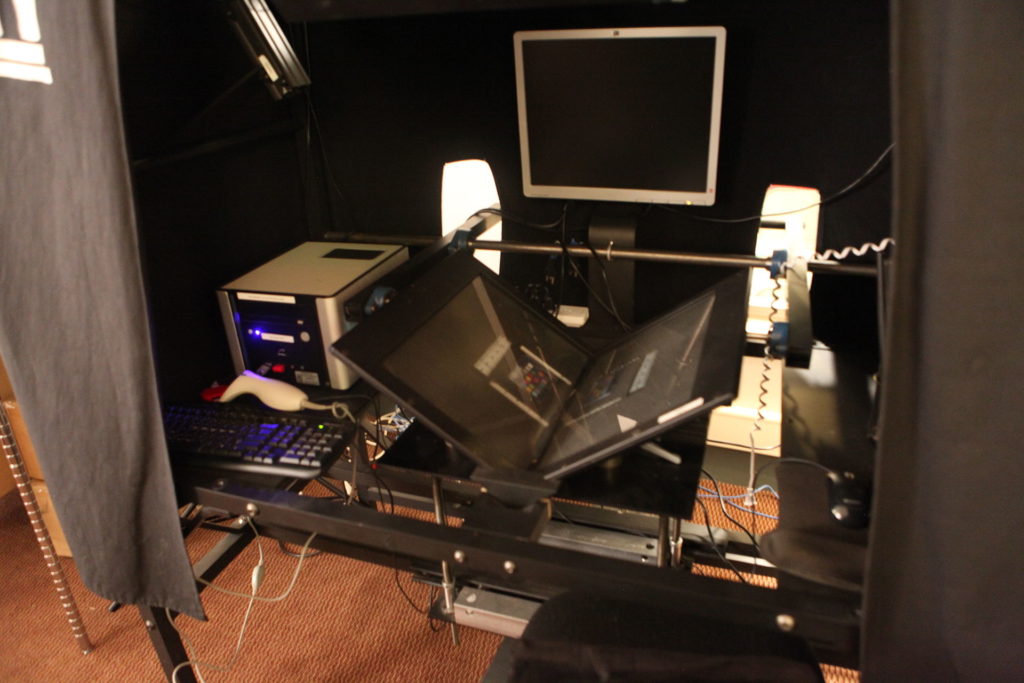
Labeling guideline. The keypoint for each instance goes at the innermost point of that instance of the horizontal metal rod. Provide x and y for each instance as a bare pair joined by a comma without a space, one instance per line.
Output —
625,254
725,260
722,260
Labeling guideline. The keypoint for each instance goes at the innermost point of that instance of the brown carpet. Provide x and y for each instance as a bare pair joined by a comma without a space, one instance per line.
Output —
344,621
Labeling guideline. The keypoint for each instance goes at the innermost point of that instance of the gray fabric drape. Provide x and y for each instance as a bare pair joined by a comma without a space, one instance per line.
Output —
73,326
944,593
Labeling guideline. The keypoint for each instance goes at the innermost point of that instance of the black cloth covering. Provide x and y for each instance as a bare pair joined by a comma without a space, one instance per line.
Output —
73,325
944,593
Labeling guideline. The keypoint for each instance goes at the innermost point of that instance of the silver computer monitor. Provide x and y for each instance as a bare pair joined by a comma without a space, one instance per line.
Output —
621,114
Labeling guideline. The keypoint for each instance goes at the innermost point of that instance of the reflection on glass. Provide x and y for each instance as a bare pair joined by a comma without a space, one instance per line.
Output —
523,394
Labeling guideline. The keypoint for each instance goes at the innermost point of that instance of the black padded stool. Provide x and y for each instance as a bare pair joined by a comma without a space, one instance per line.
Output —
579,636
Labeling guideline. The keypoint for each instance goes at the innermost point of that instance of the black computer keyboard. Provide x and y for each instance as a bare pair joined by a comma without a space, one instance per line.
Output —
248,439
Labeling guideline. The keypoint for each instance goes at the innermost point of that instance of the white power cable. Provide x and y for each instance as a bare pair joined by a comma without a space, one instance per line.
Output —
194,661
256,580
762,401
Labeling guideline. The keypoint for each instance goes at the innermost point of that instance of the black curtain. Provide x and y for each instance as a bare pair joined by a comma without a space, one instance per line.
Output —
73,327
944,596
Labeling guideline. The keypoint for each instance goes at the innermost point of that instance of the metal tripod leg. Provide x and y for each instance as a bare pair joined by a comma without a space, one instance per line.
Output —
35,515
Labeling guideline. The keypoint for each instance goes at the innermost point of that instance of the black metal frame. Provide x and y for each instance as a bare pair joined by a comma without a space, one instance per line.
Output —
830,625
505,556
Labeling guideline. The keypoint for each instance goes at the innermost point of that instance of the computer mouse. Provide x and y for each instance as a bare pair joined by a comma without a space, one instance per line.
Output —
849,500
271,392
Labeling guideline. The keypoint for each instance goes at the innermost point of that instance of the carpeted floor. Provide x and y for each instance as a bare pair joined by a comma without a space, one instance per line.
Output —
344,621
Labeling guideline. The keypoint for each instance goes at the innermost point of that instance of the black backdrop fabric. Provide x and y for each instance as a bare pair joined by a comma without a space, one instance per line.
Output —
73,326
394,98
944,594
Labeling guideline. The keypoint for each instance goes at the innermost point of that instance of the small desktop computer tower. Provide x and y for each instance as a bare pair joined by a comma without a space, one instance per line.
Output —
282,317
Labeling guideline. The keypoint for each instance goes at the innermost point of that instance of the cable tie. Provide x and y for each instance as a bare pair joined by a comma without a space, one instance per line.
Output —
608,251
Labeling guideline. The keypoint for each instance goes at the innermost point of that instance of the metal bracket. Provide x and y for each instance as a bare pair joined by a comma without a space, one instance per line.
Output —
777,268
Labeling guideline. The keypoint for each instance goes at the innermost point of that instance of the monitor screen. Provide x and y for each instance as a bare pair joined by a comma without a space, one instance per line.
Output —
624,115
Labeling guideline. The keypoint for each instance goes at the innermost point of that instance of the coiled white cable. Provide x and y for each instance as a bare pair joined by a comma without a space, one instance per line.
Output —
845,252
